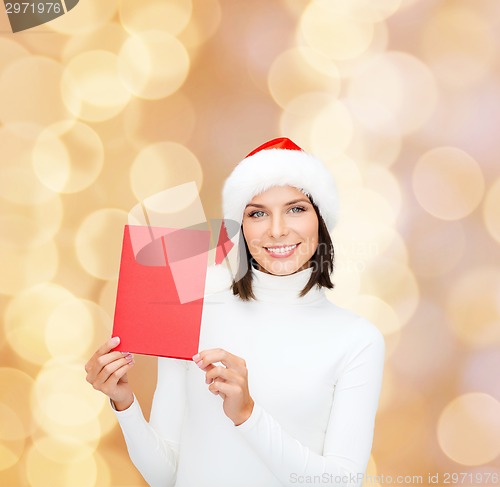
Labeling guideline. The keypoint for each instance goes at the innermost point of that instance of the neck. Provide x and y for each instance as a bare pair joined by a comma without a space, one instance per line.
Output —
272,288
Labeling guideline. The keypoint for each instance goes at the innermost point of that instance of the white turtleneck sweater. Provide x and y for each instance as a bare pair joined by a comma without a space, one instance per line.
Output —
314,373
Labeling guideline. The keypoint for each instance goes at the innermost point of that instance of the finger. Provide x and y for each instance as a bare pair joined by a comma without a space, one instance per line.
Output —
95,365
119,373
107,346
109,386
219,373
105,381
214,355
206,367
221,388
109,369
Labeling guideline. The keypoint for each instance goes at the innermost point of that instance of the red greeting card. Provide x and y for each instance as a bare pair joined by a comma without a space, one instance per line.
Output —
160,291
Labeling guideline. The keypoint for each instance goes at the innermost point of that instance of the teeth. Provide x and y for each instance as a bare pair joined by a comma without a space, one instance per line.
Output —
281,250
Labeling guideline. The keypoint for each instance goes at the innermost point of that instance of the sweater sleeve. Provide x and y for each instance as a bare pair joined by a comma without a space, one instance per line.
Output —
349,434
154,447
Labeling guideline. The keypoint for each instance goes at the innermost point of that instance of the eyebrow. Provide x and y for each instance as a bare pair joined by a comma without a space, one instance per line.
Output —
301,200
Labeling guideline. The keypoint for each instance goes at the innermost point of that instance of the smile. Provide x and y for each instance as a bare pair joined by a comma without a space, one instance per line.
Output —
284,251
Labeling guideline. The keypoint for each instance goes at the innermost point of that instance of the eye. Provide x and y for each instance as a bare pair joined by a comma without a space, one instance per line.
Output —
298,208
253,213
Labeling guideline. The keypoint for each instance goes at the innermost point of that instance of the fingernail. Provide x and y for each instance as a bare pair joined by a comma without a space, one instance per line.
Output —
131,362
196,357
115,340
125,353
129,356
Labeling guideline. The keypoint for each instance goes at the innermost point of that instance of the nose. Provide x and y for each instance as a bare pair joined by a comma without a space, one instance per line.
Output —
277,226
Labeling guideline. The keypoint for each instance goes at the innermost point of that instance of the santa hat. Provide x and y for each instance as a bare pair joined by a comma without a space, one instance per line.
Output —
279,162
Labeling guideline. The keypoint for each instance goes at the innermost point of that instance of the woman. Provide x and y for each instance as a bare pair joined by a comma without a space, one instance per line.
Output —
285,388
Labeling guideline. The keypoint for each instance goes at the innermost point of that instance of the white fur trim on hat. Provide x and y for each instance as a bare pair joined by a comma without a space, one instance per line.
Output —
280,167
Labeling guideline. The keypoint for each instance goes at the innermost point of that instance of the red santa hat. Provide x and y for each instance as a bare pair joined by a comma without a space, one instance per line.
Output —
280,162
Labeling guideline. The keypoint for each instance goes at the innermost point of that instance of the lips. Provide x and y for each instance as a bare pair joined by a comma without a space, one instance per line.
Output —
282,250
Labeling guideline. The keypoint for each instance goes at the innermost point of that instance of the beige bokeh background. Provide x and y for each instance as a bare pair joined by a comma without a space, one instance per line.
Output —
116,101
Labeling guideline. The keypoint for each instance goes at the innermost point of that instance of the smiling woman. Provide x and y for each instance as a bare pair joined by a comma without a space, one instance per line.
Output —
286,236
286,384
282,236
284,230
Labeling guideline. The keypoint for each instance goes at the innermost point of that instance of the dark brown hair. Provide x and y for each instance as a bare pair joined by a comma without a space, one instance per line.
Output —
322,263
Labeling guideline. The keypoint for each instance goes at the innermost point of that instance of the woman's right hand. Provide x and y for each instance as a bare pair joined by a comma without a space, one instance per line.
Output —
107,372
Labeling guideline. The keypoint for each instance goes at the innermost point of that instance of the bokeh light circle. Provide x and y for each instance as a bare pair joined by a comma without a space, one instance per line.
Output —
110,35
378,312
472,307
88,432
448,183
393,282
383,181
153,64
395,94
437,247
300,70
163,165
91,87
62,394
10,450
469,428
84,18
26,319
204,22
68,157
16,422
170,16
98,242
18,183
346,173
90,328
300,115
15,391
73,340
351,68
427,352
491,210
79,473
326,28
107,296
29,226
475,376
29,92
63,449
10,51
347,282
149,121
369,11
371,147
367,215
24,267
331,131
460,40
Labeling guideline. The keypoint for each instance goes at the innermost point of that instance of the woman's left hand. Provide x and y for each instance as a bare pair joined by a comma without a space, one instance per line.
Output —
229,381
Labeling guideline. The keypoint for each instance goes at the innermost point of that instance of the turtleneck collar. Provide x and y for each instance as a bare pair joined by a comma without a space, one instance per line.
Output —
271,288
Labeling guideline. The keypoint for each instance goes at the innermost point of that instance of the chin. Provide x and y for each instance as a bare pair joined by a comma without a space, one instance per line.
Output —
279,269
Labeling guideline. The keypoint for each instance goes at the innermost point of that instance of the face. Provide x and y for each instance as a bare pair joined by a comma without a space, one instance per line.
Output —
281,230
